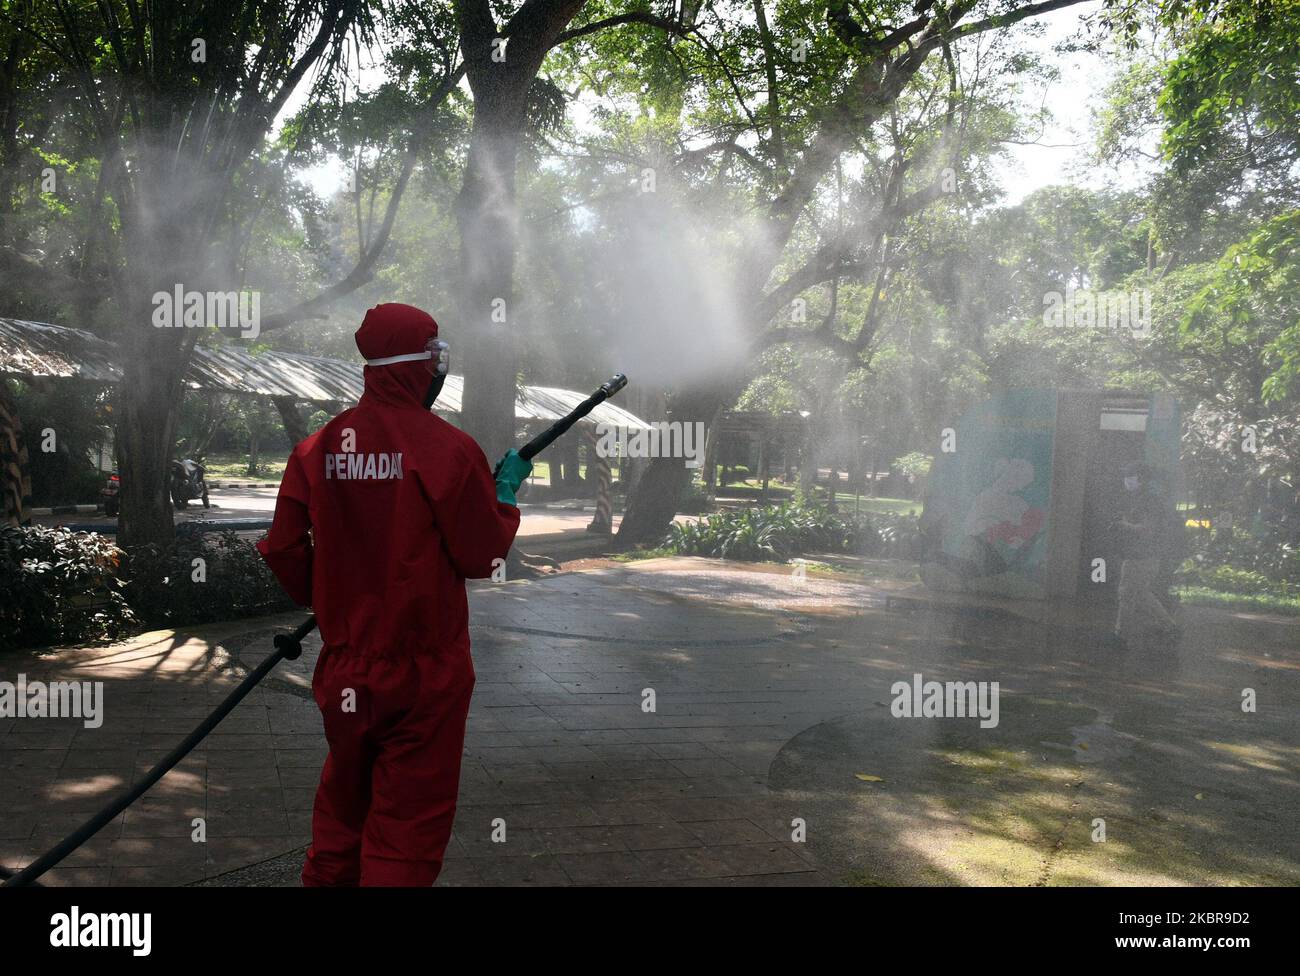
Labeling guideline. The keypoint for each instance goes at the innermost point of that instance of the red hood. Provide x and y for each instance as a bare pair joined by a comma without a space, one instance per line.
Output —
394,329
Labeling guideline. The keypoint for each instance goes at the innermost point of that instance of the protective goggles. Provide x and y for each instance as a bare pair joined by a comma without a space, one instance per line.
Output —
435,352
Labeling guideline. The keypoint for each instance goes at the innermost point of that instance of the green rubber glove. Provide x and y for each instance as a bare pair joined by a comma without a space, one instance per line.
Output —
510,473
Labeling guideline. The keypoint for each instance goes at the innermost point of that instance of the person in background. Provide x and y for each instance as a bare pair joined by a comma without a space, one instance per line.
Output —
1142,534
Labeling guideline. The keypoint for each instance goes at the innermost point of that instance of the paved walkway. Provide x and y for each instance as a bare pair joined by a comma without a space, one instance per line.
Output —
771,711
258,502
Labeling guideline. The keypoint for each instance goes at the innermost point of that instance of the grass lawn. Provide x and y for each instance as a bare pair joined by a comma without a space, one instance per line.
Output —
891,506
1202,596
234,467
779,491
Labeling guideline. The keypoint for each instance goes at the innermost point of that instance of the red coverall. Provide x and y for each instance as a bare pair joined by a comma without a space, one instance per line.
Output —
381,516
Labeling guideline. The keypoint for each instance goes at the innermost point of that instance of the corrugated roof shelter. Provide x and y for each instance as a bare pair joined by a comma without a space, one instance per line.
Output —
36,349
40,349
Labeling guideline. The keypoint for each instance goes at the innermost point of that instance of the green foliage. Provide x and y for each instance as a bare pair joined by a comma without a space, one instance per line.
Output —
59,587
760,533
782,532
1253,301
64,587
1235,74
71,412
915,463
1267,553
1231,579
161,588
1252,602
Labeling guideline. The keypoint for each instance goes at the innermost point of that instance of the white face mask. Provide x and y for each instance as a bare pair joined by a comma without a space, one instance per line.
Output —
1131,483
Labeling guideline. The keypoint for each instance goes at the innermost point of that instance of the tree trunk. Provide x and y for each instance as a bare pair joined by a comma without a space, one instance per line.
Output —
572,481
808,467
295,427
485,214
710,474
148,404
652,505
500,79
653,502
165,254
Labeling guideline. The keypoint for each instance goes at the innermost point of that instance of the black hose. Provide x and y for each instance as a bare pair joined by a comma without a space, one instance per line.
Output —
287,647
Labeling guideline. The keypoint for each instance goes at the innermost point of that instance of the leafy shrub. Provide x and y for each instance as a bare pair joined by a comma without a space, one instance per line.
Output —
899,535
62,587
784,531
62,473
162,589
59,587
916,464
1232,579
695,499
1268,553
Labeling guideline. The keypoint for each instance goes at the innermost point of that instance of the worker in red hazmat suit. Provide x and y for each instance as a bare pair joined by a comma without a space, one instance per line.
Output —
382,515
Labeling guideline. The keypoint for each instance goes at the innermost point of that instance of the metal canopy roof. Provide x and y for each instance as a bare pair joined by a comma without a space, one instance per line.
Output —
232,370
39,349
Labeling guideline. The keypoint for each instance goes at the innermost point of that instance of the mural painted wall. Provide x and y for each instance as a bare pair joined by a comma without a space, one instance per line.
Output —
989,499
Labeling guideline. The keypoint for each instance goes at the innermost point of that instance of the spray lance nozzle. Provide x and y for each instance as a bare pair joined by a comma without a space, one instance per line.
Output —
603,393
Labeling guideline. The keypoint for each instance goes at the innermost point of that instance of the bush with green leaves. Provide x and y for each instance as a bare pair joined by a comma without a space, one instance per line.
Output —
59,587
897,535
62,587
694,500
1232,579
197,580
1265,549
782,532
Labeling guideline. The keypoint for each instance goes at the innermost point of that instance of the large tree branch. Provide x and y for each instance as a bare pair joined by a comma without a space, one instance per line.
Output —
873,86
363,272
1009,18
773,94
635,17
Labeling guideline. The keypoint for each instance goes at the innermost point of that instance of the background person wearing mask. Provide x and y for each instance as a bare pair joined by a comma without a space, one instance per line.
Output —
382,515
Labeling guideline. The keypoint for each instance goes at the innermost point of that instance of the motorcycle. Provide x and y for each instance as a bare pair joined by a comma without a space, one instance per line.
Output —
187,483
